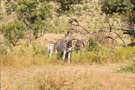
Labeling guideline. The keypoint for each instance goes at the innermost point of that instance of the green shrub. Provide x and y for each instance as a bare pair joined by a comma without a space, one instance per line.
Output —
1,17
130,67
8,10
38,49
4,46
13,6
85,7
13,32
78,8
93,45
45,11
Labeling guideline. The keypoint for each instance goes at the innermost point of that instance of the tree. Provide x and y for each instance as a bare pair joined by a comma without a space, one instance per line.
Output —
125,8
8,8
32,15
66,5
13,6
13,31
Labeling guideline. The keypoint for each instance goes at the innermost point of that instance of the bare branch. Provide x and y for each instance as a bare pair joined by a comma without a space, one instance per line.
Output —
110,38
112,32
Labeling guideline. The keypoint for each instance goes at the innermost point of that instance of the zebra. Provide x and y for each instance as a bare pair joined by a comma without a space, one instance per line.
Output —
85,41
50,47
65,46
79,44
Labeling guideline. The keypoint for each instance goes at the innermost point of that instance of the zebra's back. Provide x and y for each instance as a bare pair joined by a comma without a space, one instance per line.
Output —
61,45
50,46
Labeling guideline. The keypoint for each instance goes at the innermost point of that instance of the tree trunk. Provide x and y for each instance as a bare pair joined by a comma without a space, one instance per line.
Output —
30,34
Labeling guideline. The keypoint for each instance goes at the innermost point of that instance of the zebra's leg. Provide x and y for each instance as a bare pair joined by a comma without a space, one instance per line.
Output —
64,54
69,57
51,51
48,53
76,49
56,51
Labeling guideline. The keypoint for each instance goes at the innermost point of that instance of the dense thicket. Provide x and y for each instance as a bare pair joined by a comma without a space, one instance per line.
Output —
13,31
66,5
126,11
32,14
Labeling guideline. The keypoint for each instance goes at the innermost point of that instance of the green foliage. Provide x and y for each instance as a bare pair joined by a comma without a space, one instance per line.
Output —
104,55
8,9
10,6
38,49
117,6
13,31
93,45
33,16
13,6
27,9
1,17
85,7
112,6
130,67
66,5
4,46
78,8
9,0
124,8
45,11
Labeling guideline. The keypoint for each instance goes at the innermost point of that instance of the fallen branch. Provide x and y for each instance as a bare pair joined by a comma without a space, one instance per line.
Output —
111,38
79,32
112,32
74,20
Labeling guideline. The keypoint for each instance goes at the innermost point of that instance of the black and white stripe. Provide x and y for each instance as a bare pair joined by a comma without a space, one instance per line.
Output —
64,46
50,47
79,44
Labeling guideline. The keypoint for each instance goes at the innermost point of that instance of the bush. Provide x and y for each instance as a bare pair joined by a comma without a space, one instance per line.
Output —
4,46
93,45
45,11
128,68
13,6
85,7
13,32
1,17
78,8
38,49
8,10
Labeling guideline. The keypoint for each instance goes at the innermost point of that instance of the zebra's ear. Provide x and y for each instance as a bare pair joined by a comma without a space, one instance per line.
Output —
68,32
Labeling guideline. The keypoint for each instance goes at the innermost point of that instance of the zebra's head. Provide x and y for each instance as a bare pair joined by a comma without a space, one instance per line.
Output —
68,35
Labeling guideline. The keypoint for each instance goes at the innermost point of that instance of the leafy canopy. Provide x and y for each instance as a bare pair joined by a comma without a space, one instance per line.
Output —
33,14
13,31
66,5
117,6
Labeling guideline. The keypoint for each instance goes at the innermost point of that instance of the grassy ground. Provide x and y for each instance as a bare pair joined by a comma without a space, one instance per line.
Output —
27,66
66,77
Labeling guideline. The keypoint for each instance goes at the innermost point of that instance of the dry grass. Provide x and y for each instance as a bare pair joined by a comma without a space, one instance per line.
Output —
27,68
35,53
66,77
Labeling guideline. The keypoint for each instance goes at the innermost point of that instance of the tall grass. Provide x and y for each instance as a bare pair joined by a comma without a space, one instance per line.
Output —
36,54
104,56
4,45
130,67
